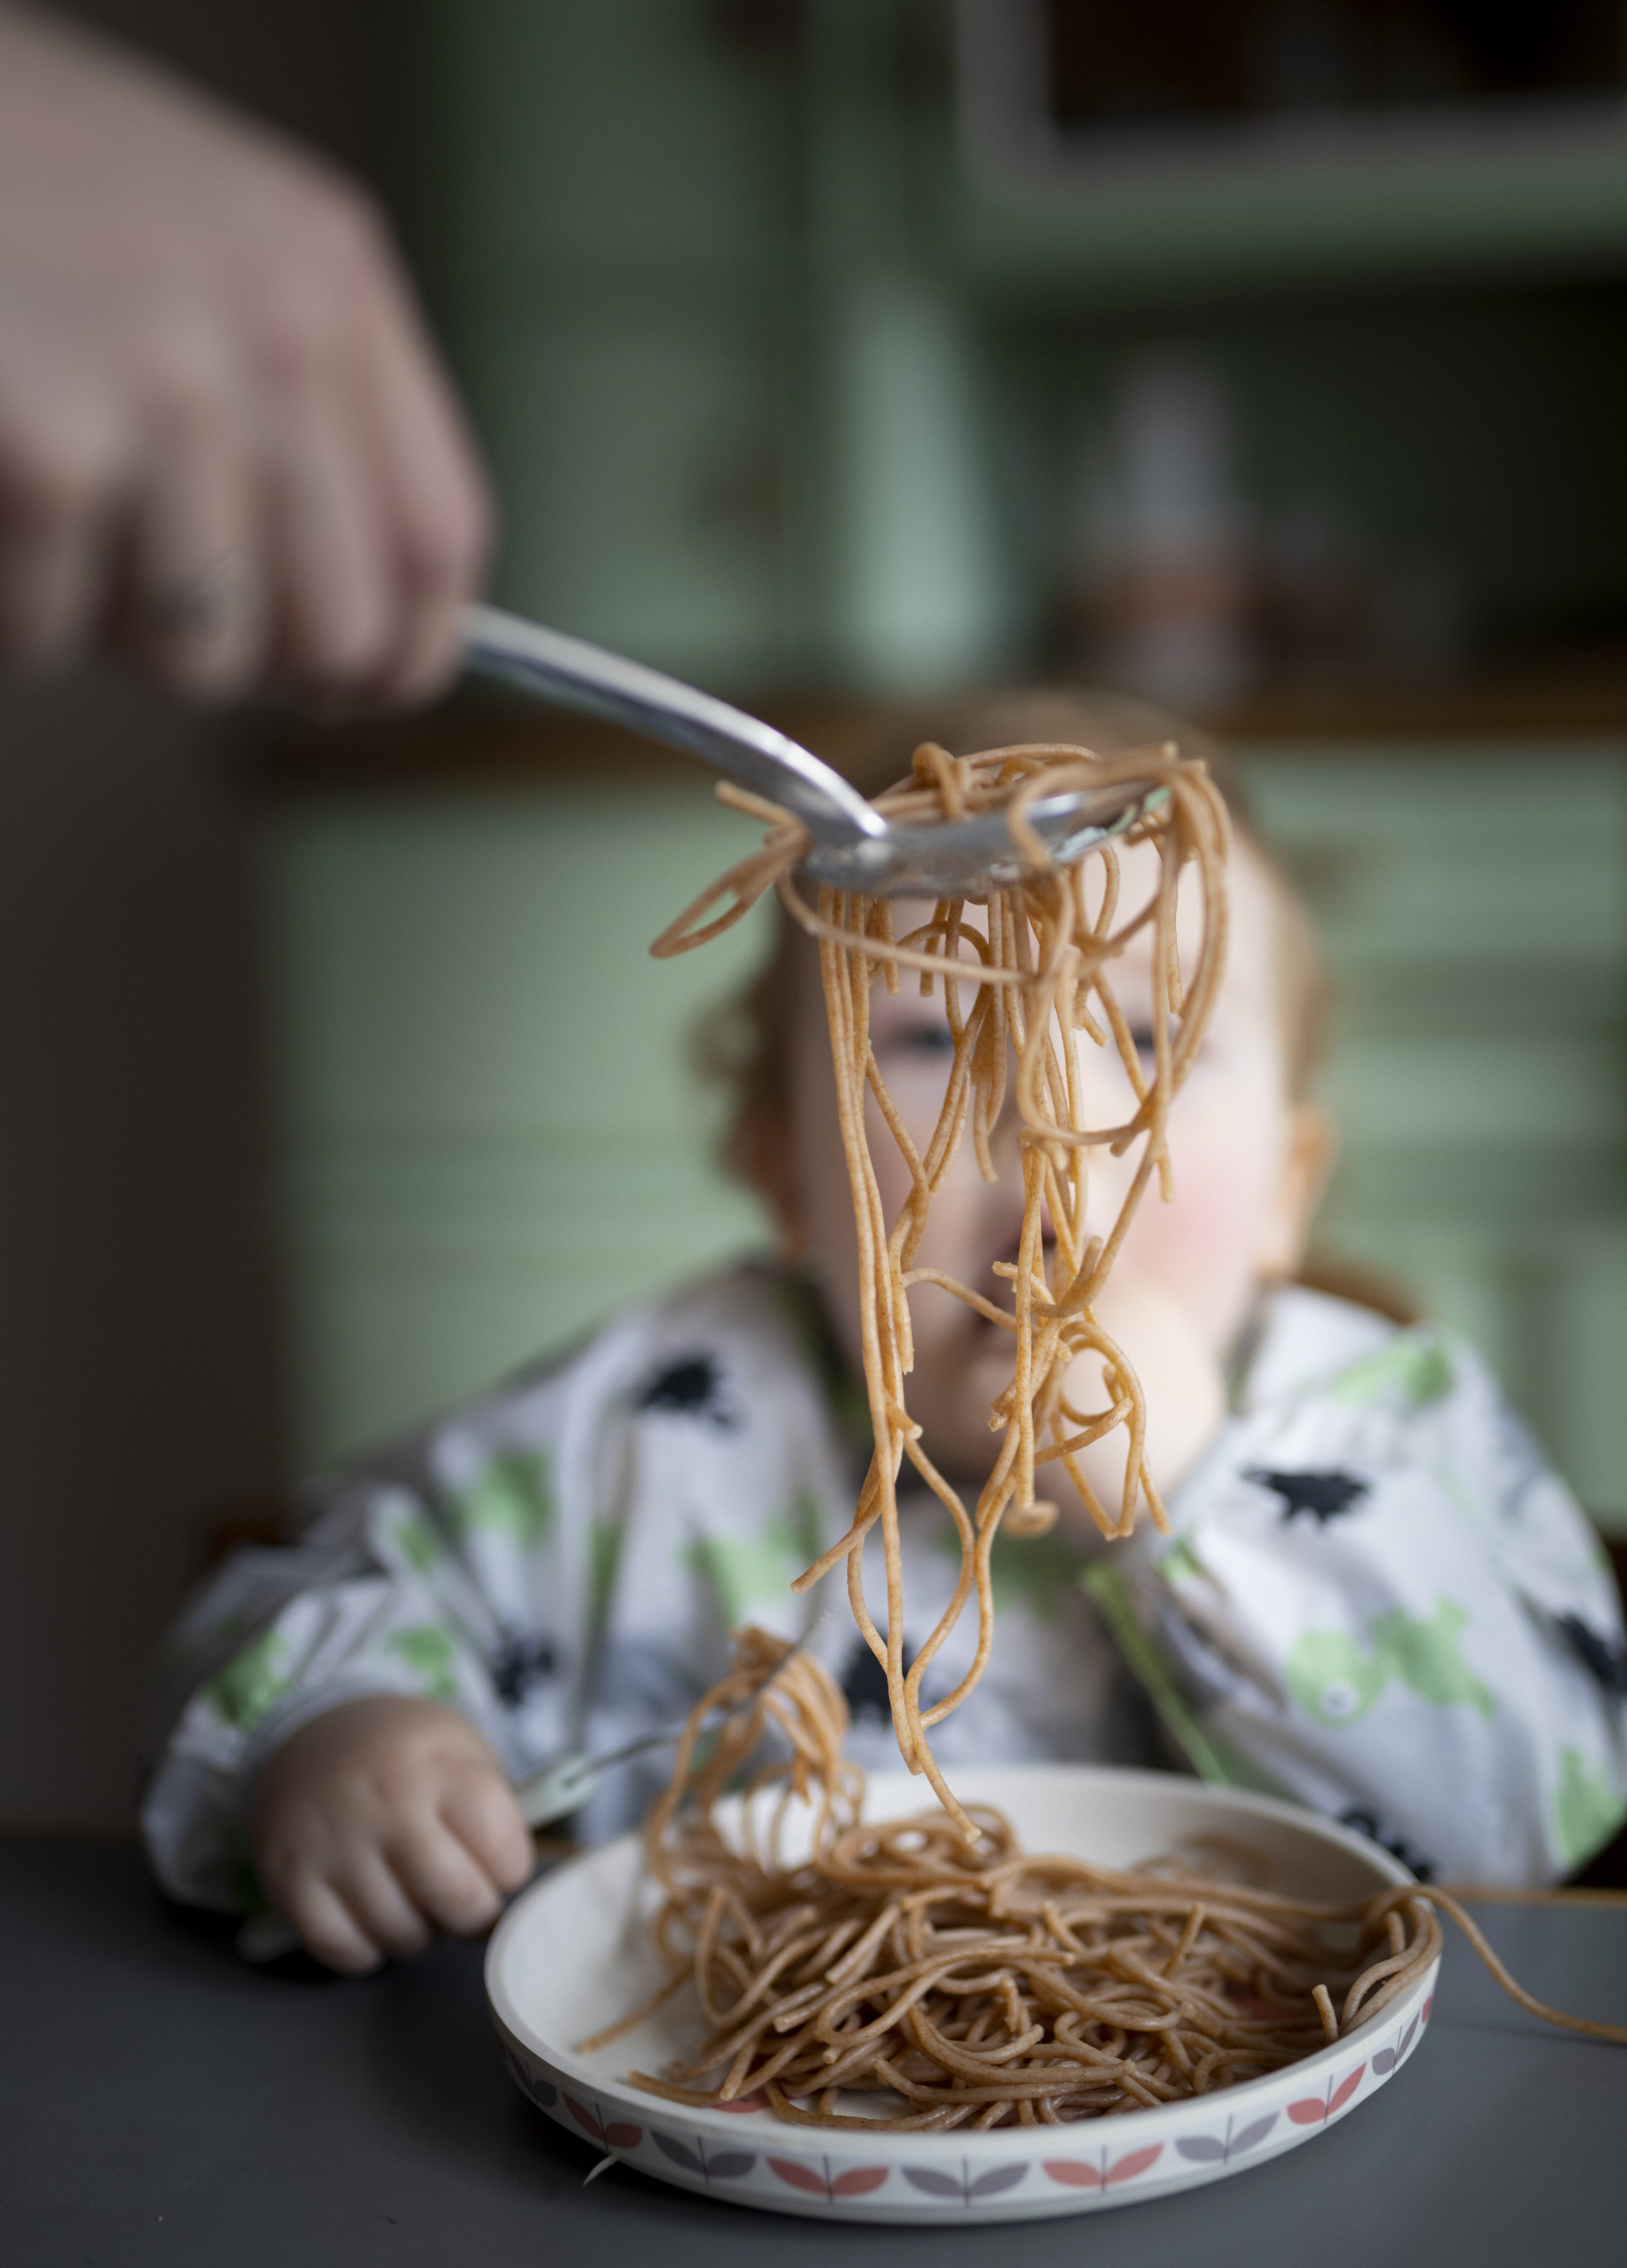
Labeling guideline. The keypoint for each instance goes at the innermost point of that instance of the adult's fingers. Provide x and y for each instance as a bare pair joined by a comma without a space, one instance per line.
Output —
328,544
433,492
197,604
482,1813
61,469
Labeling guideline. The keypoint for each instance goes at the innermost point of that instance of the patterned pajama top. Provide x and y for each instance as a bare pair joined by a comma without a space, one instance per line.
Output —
1378,1599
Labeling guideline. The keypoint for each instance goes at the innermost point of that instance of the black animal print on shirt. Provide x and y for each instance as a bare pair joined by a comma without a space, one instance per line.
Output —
1606,1663
864,1683
1397,1845
522,1663
1325,1496
692,1387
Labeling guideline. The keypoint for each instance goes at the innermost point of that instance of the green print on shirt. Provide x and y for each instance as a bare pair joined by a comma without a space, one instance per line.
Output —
418,1542
746,1571
799,1304
1588,1811
429,1653
1180,1563
1335,1679
605,1548
1032,1572
510,1496
250,1683
1415,1363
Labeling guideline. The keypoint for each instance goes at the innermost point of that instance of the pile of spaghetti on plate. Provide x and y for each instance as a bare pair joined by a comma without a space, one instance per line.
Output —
959,1984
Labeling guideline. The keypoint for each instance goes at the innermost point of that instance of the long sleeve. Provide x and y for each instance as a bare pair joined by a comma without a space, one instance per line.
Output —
561,1561
418,1578
1380,1599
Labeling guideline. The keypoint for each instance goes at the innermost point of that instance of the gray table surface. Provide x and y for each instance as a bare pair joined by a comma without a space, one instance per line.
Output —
161,2103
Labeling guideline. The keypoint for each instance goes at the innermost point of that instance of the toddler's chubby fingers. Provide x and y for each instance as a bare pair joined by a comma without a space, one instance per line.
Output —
398,1807
480,1810
381,1905
444,1878
328,1929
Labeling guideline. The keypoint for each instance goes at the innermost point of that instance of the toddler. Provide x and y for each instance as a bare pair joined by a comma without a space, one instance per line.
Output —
1377,1597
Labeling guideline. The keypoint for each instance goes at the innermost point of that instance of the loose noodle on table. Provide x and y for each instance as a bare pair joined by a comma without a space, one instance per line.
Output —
1038,970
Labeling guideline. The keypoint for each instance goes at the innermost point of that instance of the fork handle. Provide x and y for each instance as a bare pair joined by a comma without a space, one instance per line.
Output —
557,1791
570,672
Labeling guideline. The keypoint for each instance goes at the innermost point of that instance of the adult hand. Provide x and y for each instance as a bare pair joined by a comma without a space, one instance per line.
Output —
225,443
381,1821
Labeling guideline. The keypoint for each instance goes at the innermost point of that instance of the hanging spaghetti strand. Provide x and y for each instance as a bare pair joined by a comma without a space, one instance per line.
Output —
1022,992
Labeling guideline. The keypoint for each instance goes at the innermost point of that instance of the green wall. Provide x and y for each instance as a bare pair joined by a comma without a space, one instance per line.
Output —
490,1134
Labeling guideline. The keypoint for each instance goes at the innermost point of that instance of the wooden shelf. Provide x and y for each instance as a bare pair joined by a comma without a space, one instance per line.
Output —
1567,695
475,739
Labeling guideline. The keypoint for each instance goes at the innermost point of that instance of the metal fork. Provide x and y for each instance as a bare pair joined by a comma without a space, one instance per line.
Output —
564,1787
854,847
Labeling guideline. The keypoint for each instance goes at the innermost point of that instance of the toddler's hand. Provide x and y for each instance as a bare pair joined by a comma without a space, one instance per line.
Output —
381,1821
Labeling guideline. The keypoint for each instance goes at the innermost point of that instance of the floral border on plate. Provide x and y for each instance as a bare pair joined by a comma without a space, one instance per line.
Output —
1061,2170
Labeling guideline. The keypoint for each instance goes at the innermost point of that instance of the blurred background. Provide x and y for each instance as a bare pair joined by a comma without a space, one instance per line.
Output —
1265,356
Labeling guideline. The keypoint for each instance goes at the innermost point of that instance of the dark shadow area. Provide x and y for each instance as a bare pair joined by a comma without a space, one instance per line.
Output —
141,1344
433,2057
140,1341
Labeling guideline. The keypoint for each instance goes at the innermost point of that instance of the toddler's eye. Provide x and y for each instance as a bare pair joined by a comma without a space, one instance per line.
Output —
925,1038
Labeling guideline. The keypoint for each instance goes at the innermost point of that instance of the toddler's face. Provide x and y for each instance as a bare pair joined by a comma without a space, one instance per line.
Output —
1248,1163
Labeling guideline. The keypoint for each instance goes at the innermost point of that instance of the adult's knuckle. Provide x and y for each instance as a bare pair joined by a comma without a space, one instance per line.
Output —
337,238
330,660
452,546
201,672
298,315
53,470
342,648
291,332
357,235
191,371
444,550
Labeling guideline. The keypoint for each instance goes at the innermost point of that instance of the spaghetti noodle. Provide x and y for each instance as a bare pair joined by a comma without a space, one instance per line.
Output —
1038,971
974,1988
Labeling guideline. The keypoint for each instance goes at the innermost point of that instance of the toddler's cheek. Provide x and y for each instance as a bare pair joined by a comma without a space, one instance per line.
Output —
1202,1247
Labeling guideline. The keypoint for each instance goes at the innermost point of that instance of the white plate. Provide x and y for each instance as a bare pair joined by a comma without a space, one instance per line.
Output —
572,1955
